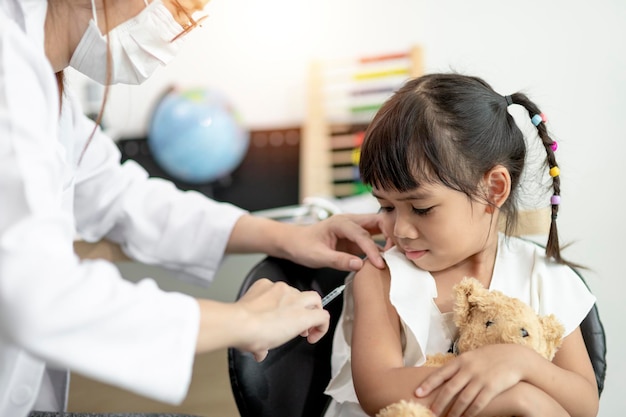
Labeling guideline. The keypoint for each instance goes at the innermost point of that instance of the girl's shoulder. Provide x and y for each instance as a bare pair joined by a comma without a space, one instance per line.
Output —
527,251
524,271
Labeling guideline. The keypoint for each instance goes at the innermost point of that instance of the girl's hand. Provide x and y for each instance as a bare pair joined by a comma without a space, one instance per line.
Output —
275,313
469,382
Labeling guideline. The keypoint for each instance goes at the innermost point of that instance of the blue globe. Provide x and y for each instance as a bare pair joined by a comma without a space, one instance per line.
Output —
195,137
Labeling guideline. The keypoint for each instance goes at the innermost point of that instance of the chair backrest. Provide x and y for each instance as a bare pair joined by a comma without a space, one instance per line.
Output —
595,341
290,382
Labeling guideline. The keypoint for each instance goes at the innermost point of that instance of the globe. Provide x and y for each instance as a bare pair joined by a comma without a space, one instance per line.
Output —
195,136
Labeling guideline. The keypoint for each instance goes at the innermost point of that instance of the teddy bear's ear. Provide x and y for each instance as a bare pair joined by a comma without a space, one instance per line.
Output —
553,334
469,293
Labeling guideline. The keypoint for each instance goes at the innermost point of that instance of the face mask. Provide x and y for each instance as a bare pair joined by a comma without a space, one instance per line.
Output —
138,46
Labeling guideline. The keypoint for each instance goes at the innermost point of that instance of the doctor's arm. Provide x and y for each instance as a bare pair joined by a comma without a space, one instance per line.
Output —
155,223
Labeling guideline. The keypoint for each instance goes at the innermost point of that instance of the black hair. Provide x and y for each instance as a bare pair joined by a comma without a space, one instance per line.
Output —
451,129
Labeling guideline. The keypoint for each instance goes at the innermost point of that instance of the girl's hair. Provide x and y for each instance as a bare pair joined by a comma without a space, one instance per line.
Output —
452,129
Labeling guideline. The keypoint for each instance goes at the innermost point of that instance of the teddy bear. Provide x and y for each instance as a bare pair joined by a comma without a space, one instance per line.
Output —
486,317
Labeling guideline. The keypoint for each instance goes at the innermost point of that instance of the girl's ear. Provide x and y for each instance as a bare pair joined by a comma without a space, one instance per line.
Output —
497,182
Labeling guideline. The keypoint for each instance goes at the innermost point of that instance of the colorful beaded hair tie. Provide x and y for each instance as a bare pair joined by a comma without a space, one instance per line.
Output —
555,171
554,146
538,118
555,200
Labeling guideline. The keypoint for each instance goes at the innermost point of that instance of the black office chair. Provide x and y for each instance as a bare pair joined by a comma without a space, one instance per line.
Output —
595,341
290,382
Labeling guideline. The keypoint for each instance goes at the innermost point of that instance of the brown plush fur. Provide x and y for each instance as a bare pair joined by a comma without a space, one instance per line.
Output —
510,321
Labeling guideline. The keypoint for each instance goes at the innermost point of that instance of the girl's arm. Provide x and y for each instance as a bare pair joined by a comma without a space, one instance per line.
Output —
380,377
523,400
470,382
575,388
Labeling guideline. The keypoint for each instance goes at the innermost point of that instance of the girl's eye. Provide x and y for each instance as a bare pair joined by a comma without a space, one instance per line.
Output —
385,209
421,211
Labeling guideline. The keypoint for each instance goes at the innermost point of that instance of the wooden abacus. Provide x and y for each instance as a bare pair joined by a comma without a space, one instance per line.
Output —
343,96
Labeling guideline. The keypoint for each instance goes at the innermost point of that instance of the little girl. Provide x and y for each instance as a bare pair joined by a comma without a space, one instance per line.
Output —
444,159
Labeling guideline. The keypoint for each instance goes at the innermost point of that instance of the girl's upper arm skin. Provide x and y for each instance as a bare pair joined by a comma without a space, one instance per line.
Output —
573,357
380,377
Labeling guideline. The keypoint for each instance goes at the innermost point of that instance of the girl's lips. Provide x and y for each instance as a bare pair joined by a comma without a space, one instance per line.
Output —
414,254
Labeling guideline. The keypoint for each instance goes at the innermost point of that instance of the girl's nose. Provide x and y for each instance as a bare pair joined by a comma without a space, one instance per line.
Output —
404,229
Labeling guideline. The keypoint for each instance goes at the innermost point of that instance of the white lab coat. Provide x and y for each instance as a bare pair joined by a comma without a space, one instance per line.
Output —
59,311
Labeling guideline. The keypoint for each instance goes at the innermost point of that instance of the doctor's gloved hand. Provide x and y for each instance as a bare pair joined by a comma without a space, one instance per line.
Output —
266,316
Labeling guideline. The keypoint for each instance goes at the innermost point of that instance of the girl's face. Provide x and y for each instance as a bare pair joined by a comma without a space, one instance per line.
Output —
437,228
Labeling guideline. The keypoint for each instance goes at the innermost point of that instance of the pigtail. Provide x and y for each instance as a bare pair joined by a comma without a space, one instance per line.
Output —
538,119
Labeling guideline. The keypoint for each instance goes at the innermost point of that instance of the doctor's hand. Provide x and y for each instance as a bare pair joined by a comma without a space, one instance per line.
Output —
338,242
266,316
278,313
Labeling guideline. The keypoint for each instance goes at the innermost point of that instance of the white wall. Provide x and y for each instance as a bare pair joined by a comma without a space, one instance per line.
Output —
568,55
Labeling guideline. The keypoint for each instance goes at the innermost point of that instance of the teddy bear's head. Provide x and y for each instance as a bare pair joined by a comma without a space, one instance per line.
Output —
486,317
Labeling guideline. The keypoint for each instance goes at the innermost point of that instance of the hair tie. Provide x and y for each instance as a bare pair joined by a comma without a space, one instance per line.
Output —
509,100
555,200
554,146
555,171
538,118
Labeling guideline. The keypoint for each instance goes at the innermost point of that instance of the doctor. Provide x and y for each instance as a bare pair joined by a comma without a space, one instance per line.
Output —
60,176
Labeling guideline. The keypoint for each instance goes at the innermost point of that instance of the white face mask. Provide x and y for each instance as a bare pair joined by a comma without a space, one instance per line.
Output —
138,46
